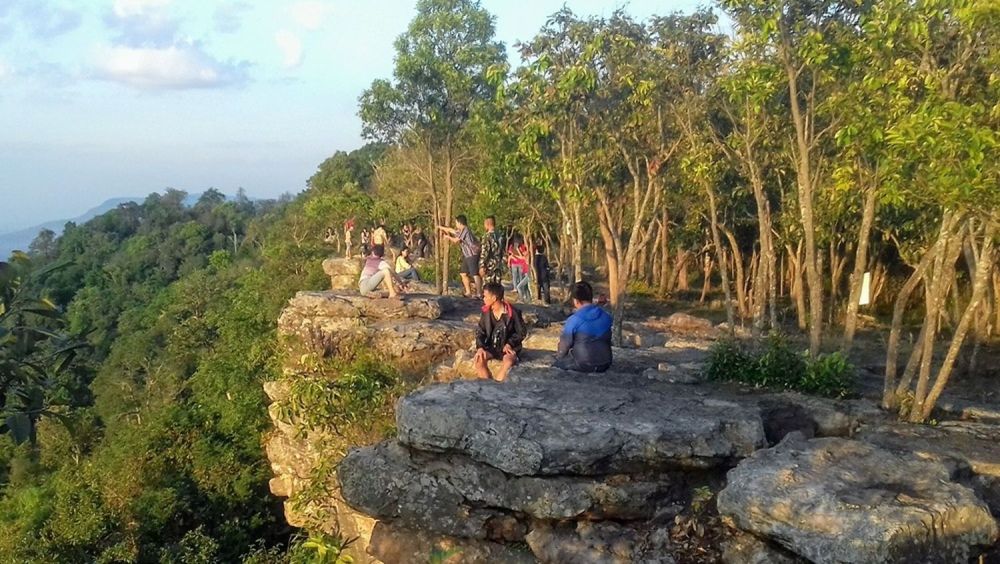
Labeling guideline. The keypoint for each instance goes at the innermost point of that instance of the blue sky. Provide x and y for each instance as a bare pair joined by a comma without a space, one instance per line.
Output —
125,97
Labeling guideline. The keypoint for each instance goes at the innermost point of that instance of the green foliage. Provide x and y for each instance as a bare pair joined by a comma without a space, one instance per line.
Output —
319,548
346,395
777,365
829,375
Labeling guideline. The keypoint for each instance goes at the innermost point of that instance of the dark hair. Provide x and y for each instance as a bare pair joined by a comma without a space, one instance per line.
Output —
462,219
583,292
491,218
379,251
494,288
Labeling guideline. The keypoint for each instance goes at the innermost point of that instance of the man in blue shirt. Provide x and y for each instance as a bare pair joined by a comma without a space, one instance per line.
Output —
585,343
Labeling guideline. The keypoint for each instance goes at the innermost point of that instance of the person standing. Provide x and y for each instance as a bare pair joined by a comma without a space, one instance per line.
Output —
517,260
365,242
499,335
490,255
470,247
348,230
541,264
585,343
380,237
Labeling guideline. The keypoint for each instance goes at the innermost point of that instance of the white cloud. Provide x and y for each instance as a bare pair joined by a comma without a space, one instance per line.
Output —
291,48
5,70
310,15
129,8
143,23
177,67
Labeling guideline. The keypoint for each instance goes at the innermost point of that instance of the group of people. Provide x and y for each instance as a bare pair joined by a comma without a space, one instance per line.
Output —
584,345
411,238
483,261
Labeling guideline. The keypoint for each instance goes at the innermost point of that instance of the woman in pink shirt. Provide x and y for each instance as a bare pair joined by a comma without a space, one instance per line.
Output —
517,260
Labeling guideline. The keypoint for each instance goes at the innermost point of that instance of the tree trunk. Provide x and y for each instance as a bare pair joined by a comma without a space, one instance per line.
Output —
664,254
741,295
796,283
980,281
706,286
449,209
941,280
857,276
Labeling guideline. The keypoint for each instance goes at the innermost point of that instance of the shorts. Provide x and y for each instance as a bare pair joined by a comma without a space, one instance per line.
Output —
470,265
498,355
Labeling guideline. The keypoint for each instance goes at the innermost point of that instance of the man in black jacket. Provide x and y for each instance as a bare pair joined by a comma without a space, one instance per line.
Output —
499,334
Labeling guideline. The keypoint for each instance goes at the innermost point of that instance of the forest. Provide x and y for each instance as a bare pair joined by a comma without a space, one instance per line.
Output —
769,167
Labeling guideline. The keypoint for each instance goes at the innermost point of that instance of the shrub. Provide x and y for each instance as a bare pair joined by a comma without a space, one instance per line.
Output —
729,361
828,375
776,365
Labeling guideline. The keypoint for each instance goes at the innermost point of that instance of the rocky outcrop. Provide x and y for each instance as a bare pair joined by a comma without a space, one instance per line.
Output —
343,272
413,330
454,495
556,466
837,500
539,427
971,449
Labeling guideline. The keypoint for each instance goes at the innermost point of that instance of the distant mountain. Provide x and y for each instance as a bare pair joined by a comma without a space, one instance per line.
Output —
20,239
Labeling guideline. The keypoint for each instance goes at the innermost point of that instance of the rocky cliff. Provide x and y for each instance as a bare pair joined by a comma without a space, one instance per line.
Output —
558,467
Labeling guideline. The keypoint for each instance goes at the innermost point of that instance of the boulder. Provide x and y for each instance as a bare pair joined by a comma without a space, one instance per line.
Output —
602,542
684,323
966,446
444,493
393,544
838,500
344,273
538,426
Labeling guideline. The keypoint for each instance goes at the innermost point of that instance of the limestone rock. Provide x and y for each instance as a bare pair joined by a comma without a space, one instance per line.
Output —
344,273
965,446
378,482
441,493
317,305
600,542
558,426
684,323
393,544
838,500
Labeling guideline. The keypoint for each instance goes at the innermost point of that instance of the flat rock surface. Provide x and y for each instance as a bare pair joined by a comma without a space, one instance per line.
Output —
305,306
539,426
838,500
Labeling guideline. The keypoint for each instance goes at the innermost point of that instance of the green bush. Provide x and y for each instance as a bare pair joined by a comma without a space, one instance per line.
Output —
729,361
776,365
828,375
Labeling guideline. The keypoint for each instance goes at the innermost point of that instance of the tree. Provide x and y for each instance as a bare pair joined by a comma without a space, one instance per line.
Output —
442,62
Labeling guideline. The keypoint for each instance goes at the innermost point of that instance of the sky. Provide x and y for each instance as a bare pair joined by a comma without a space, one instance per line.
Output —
100,99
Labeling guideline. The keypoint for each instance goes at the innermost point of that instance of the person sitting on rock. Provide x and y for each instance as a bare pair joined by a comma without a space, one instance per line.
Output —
499,335
585,343
377,272
404,268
